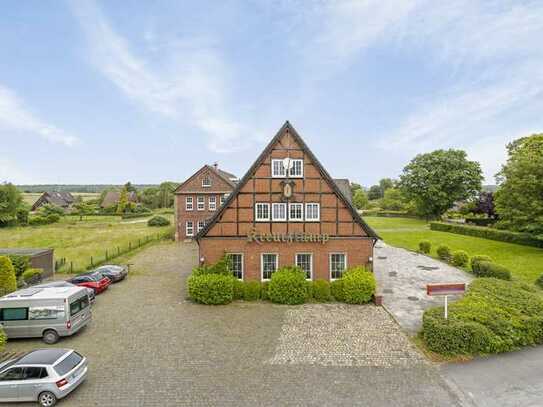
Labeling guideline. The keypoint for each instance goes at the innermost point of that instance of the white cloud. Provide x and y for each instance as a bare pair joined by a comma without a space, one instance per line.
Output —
15,117
191,90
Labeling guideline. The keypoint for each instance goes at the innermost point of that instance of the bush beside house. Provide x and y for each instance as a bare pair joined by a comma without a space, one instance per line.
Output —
288,286
8,280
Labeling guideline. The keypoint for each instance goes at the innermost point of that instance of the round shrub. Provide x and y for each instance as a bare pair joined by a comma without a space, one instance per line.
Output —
237,289
425,246
460,258
37,220
211,288
358,286
264,290
443,252
20,263
475,260
251,290
3,339
336,289
321,291
489,269
8,281
158,221
288,286
52,218
32,275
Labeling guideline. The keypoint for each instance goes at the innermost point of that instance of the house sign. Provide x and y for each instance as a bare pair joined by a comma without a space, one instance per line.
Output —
299,237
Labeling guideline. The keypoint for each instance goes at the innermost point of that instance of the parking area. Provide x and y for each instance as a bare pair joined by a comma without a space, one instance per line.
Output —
402,277
149,346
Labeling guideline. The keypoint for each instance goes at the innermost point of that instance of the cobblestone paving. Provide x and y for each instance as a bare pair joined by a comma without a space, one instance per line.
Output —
343,335
402,277
148,346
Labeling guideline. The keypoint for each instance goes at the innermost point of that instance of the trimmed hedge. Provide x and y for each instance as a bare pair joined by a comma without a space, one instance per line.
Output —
3,339
475,260
460,258
336,289
489,269
494,316
238,289
288,286
443,252
358,285
425,246
32,275
251,290
321,291
8,280
156,221
211,289
480,221
525,239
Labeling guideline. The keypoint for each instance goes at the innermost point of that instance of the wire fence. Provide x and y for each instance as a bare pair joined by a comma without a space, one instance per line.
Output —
66,266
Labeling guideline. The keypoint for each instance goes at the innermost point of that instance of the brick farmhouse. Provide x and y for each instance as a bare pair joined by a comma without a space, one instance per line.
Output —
287,210
198,199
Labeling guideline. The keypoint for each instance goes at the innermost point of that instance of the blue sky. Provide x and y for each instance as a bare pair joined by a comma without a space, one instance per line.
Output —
111,91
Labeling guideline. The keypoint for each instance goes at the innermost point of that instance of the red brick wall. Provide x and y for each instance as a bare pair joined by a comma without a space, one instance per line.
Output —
358,250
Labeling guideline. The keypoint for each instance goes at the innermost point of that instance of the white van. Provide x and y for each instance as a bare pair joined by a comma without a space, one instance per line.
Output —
48,313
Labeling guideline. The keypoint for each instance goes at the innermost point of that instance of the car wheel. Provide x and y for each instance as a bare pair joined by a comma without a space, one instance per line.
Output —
50,337
47,399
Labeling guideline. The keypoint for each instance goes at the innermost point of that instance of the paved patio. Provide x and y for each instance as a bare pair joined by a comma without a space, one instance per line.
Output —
402,277
148,346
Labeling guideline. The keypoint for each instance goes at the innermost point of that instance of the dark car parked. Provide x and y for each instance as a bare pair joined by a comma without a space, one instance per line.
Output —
113,272
94,280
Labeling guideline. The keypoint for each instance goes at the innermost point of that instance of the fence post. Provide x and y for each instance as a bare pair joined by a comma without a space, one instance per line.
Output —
118,251
106,255
129,246
71,267
139,242
92,263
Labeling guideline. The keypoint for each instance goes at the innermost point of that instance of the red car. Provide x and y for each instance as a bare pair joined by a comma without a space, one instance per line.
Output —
94,280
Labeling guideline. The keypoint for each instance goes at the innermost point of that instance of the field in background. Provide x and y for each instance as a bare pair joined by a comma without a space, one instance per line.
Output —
78,240
31,197
526,263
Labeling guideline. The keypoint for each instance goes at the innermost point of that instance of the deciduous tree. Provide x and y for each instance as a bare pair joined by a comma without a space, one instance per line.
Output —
436,180
360,199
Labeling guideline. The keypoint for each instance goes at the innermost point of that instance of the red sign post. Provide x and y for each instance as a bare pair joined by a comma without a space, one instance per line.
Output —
446,290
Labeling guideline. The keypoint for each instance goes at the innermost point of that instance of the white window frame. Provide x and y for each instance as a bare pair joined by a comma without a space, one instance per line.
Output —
200,225
262,265
285,208
189,225
242,264
204,183
301,205
189,203
262,219
201,201
318,206
301,174
330,264
282,173
310,264
212,203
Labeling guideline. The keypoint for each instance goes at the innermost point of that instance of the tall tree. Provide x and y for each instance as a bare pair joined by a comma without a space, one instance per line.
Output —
375,192
384,184
436,180
393,200
129,187
519,199
360,199
123,202
10,201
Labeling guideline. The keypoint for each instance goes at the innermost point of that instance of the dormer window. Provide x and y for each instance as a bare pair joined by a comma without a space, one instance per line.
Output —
206,181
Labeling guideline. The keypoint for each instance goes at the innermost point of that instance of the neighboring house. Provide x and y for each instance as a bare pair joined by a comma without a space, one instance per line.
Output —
112,198
287,210
199,197
39,258
62,199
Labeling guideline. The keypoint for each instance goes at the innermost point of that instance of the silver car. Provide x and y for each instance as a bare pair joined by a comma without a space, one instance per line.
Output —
43,375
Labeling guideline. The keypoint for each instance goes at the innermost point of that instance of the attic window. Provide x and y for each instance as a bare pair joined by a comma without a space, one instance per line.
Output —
206,182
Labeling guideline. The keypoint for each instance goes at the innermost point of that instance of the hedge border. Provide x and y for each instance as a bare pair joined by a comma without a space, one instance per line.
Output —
506,236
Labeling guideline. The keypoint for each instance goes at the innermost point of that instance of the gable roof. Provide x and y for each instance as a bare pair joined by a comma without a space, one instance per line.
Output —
113,197
225,176
62,199
288,127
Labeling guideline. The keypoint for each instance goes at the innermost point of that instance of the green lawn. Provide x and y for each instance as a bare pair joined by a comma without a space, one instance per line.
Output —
526,263
78,240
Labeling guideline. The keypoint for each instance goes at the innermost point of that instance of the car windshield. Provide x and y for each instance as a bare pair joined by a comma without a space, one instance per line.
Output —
68,363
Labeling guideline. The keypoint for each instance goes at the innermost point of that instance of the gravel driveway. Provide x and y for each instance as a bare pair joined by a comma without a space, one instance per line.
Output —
402,277
148,346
